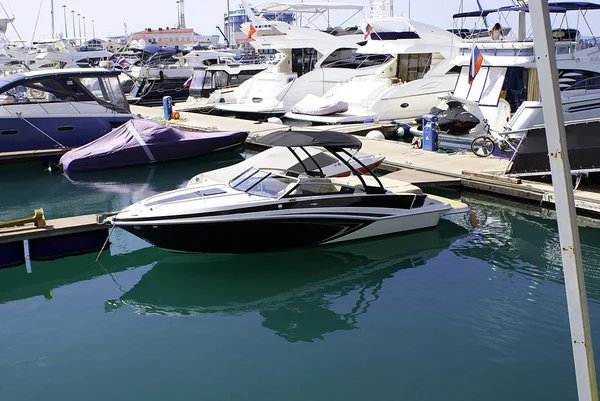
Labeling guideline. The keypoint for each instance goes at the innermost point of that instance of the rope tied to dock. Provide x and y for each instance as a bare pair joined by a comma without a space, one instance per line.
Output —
37,128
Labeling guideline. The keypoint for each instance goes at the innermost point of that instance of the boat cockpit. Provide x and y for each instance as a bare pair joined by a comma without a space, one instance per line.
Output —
103,88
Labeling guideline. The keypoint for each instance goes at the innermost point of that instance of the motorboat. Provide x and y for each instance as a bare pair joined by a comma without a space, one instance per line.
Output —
309,61
60,108
146,142
263,210
280,158
505,92
222,76
414,71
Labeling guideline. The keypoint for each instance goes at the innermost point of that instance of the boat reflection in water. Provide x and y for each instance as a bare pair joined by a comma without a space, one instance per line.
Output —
95,191
296,292
515,237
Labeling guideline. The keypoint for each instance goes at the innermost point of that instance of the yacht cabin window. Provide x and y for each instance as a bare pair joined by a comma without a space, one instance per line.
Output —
413,66
42,91
304,60
349,58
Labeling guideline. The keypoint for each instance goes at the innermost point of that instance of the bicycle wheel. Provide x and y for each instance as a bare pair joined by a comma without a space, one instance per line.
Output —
482,146
508,149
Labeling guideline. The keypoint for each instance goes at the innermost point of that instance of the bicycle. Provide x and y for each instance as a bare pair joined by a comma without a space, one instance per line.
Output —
484,146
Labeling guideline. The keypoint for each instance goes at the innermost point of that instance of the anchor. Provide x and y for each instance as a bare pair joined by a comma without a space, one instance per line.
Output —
38,220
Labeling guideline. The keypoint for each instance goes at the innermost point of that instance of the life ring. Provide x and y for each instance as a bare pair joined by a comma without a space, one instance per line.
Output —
36,93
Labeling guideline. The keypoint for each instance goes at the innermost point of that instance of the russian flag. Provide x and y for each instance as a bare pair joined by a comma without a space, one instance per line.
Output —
475,64
368,30
188,83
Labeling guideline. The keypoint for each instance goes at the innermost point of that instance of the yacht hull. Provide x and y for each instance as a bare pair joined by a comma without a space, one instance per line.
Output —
35,133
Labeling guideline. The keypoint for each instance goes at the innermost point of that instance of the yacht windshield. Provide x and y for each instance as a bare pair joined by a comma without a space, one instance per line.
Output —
262,183
348,58
106,89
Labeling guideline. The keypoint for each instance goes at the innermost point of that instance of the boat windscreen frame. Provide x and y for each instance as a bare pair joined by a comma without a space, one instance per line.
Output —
313,160
368,189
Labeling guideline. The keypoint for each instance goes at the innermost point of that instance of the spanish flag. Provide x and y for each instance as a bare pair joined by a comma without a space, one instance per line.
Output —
251,32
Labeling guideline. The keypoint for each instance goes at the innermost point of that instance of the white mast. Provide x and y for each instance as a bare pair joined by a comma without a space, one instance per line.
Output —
52,15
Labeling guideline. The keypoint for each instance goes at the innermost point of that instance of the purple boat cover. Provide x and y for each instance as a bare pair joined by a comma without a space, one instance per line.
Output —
144,141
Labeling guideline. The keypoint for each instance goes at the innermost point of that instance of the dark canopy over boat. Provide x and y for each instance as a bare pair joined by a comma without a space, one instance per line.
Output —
328,139
145,141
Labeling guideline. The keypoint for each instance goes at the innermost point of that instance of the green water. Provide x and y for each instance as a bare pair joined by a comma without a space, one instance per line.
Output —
471,310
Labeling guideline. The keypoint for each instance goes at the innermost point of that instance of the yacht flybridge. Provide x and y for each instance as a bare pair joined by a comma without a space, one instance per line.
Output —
262,210
307,61
415,70
505,92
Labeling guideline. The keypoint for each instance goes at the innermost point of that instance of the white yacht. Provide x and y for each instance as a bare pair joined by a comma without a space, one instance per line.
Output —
415,70
307,61
505,92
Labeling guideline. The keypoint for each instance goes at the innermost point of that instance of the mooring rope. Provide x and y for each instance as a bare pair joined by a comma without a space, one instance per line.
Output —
48,136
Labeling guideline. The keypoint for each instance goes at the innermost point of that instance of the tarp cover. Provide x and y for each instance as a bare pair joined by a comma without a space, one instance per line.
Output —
327,139
144,141
319,106
583,143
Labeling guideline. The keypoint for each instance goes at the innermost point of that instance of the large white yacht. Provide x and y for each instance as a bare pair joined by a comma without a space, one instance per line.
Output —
306,65
505,92
415,71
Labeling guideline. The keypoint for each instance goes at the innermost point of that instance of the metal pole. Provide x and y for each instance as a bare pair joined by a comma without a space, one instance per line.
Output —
93,30
178,21
74,30
84,30
79,23
65,15
228,25
52,15
565,206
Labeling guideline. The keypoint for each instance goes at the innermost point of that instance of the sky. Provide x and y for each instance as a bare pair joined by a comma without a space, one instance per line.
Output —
109,16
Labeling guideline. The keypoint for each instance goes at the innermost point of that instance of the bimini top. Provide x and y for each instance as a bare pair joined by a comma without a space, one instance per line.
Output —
328,139
553,7
315,8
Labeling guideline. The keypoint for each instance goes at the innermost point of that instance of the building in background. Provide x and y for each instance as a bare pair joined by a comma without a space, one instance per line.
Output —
172,37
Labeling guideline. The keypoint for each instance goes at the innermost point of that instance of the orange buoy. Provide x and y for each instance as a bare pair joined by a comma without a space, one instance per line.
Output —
175,115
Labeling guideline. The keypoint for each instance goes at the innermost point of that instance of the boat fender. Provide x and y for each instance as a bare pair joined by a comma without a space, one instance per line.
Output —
274,120
375,135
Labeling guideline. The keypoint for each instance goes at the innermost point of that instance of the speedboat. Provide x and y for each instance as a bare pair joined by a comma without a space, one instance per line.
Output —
59,108
264,210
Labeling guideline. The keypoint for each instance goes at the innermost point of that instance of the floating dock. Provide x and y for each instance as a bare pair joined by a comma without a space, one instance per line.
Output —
61,237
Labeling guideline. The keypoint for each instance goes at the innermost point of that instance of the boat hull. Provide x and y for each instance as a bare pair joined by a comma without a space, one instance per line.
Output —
35,133
277,233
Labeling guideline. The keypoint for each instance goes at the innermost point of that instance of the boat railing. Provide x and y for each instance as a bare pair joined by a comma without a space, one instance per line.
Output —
585,85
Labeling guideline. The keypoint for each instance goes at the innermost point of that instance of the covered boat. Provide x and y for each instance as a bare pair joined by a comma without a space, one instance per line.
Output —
143,142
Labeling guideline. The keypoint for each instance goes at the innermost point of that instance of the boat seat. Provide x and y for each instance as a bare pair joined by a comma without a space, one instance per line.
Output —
314,186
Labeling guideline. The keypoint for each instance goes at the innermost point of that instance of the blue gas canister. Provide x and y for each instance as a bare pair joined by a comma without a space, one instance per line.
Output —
430,132
167,107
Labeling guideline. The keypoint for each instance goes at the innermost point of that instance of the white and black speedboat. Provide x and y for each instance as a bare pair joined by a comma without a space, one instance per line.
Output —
263,210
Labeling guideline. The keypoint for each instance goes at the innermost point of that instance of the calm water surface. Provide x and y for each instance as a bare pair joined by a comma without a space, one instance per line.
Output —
471,310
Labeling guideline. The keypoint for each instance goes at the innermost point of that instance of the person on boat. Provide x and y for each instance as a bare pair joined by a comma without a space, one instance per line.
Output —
496,32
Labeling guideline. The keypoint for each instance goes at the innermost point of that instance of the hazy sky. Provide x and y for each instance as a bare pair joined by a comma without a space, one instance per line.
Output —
109,16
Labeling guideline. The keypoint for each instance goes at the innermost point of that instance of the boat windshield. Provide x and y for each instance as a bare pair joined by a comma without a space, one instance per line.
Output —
106,89
262,183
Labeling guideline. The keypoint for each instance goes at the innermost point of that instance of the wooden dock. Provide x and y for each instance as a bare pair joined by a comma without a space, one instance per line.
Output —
60,237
